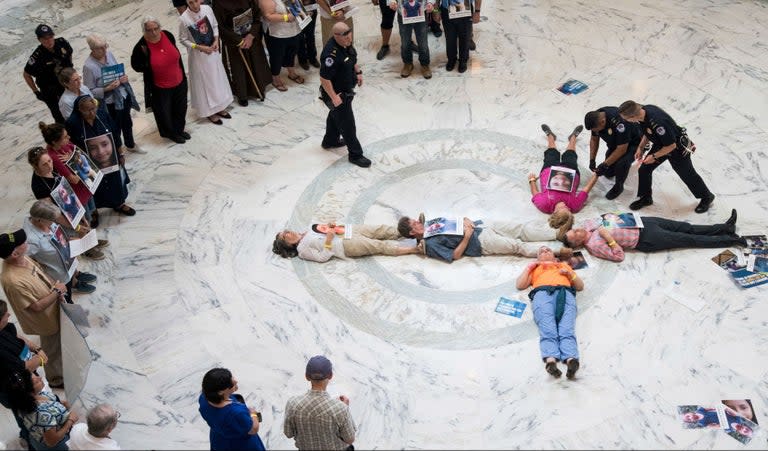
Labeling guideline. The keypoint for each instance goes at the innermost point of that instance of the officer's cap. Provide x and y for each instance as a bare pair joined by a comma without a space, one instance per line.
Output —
43,30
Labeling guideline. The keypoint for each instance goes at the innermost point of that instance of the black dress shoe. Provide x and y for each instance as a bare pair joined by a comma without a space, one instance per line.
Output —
360,161
186,135
314,62
644,201
450,65
462,67
732,219
704,204
614,192
336,145
242,102
178,139
472,45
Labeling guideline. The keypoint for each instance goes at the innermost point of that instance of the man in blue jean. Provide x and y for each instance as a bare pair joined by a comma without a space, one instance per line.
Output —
419,29
553,300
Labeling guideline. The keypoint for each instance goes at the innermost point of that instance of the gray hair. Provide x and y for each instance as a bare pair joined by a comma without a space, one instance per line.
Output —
148,19
101,420
95,41
43,209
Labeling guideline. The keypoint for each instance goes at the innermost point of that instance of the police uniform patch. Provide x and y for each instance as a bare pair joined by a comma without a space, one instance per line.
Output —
31,61
610,131
660,131
649,131
620,128
329,61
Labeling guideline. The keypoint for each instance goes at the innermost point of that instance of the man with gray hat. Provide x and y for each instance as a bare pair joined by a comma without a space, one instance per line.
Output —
35,299
42,70
315,419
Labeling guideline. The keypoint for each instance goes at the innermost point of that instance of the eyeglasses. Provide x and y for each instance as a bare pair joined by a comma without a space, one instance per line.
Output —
345,33
152,30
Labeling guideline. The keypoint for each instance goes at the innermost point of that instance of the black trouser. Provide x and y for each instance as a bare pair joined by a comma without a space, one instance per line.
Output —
341,122
306,49
122,121
456,30
620,167
569,159
387,15
170,109
51,99
659,234
282,52
682,165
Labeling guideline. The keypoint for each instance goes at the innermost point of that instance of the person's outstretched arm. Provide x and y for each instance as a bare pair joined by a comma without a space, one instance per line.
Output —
591,183
532,183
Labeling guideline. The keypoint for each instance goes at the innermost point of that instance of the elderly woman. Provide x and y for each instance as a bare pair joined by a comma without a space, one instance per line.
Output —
88,123
282,40
199,32
47,418
73,88
321,247
165,84
556,201
117,95
241,32
17,353
60,149
233,424
50,249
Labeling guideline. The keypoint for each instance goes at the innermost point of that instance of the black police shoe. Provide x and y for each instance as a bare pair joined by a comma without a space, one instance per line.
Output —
337,144
704,204
732,219
382,52
450,65
360,161
614,192
644,201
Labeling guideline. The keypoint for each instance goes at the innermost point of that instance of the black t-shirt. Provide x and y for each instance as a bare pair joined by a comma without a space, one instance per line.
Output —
337,64
617,131
45,65
42,186
10,350
659,127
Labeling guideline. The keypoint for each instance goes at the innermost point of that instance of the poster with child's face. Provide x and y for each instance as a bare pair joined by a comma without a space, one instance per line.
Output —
202,32
64,196
102,151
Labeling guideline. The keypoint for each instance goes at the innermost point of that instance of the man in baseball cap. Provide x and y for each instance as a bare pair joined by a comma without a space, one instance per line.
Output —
42,70
43,30
10,241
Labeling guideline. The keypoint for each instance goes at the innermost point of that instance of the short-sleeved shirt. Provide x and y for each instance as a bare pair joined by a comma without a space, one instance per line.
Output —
164,58
230,426
546,199
549,274
79,438
659,127
49,414
42,186
337,64
617,131
317,421
42,249
442,246
45,65
25,286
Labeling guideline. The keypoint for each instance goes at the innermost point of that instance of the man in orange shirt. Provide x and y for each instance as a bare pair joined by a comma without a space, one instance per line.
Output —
553,300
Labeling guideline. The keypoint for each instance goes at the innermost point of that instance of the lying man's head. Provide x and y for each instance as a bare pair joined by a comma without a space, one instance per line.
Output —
410,228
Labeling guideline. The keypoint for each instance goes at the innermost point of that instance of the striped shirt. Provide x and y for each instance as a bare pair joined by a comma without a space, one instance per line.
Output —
597,246
318,421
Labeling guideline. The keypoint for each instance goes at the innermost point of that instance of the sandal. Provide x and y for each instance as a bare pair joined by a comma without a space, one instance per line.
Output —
278,84
297,78
126,210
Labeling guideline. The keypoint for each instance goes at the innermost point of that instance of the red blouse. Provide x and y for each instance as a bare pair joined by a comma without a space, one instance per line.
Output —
164,59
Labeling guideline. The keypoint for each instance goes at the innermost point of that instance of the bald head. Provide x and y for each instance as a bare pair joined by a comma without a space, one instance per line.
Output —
340,27
342,34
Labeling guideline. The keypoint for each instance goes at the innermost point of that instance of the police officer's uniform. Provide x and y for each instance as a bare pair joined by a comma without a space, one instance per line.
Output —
337,64
616,133
662,130
44,66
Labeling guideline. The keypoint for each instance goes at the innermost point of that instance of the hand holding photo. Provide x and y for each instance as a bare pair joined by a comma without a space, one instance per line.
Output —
412,11
79,163
64,196
459,8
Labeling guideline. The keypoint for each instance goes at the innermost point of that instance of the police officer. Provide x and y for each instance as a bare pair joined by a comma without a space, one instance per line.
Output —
50,57
670,142
622,139
339,73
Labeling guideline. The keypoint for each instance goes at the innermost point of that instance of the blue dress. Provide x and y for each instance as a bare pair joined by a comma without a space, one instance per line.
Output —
229,426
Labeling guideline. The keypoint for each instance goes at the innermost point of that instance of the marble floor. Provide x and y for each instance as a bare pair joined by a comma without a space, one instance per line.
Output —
190,282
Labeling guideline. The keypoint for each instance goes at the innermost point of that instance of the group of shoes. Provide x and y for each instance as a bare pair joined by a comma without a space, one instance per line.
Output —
95,252
306,63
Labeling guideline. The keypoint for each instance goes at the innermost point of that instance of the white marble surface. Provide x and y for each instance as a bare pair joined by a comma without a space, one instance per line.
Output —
190,282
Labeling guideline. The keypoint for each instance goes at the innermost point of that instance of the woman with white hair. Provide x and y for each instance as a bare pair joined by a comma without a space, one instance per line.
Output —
165,84
209,86
117,94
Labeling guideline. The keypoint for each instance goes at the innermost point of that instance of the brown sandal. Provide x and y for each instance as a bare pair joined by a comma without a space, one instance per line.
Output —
297,78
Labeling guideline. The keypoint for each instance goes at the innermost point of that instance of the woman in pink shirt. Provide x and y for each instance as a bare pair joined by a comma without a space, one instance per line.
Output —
559,180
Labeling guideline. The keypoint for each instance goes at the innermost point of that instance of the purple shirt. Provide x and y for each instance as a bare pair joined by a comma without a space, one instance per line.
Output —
547,199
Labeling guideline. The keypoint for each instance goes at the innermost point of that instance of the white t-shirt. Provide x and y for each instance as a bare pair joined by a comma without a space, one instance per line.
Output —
79,438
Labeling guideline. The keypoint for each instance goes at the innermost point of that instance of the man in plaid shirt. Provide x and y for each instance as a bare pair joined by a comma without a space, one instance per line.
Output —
657,234
315,419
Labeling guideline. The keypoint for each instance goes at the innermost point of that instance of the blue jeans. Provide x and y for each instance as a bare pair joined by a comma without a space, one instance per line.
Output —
555,340
420,30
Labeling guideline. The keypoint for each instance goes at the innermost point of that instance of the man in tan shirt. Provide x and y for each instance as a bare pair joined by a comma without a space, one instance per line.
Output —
34,298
